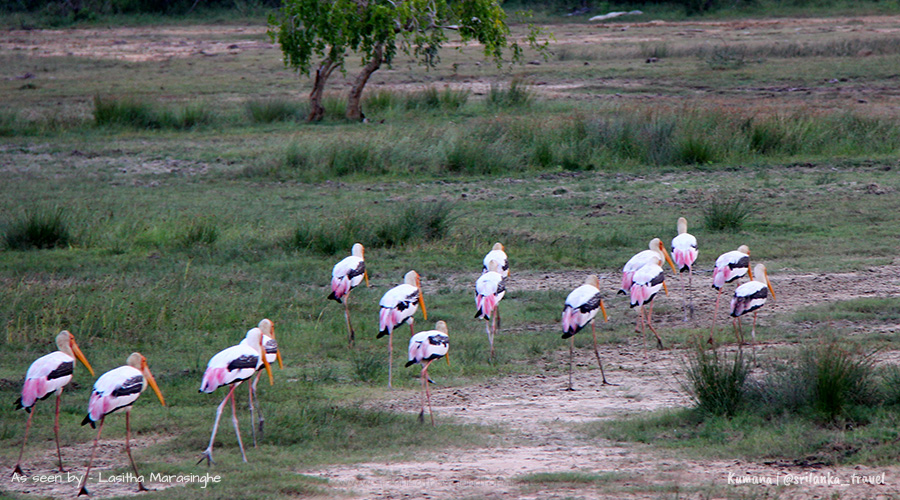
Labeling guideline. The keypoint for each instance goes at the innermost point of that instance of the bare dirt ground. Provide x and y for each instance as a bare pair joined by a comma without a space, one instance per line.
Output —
540,413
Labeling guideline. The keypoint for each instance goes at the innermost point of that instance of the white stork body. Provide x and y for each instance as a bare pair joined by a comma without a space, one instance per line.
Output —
498,255
581,308
654,255
347,275
729,267
116,389
490,288
684,253
398,305
749,297
48,374
647,282
273,354
425,347
232,366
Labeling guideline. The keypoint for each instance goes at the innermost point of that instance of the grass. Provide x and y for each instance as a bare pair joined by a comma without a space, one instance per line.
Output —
185,227
39,228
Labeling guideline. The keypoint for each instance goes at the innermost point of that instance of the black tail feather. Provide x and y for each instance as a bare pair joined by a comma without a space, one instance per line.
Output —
410,363
333,297
87,420
382,333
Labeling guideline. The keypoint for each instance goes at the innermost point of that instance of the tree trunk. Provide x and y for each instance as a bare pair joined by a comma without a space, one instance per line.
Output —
316,110
354,110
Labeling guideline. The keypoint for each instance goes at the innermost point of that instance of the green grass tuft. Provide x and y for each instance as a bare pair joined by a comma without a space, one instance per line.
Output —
274,110
727,214
716,384
39,228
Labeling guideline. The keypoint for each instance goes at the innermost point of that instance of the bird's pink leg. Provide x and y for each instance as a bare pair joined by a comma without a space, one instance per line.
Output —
736,324
659,342
571,355
391,355
490,332
691,291
427,390
641,321
715,315
347,316
82,490
253,410
128,447
597,353
234,420
207,454
56,429
753,331
18,469
683,299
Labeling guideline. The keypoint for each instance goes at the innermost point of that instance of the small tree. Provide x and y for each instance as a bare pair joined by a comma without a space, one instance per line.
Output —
323,32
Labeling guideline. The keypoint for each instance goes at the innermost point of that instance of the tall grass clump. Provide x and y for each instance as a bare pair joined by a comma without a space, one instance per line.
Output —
726,214
516,95
200,232
273,110
837,379
39,228
717,385
125,112
186,117
415,222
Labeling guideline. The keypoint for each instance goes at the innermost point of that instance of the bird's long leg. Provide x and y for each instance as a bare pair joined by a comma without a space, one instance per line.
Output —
207,454
571,355
738,335
753,331
56,429
82,490
715,316
128,447
391,355
234,420
659,342
424,377
427,390
18,469
490,332
597,353
683,300
497,314
347,316
691,291
252,393
641,321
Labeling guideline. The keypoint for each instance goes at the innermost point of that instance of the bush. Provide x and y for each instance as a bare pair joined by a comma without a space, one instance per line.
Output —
717,385
727,214
40,229
516,95
837,379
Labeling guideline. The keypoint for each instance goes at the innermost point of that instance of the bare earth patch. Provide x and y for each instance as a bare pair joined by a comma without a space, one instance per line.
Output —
540,413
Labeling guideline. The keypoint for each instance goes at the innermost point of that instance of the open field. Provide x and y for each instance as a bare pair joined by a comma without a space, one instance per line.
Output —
180,238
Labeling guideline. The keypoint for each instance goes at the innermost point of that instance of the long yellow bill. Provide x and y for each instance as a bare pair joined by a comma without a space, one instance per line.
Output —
80,357
422,303
265,360
603,310
750,272
771,290
665,288
277,350
668,259
152,382
447,357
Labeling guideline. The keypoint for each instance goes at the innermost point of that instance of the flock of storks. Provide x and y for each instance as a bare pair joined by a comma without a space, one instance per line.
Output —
642,278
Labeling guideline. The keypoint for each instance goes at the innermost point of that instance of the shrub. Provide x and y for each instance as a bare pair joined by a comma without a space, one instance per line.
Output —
273,110
41,228
717,385
516,95
727,214
836,379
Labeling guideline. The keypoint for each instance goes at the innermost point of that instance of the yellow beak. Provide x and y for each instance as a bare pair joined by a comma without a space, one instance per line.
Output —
668,259
603,310
265,360
422,300
152,382
80,357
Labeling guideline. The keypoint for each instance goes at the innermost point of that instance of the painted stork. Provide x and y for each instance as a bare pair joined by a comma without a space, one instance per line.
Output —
655,254
647,282
272,354
684,252
231,367
498,255
425,347
397,307
489,290
749,297
48,374
729,267
580,309
116,389
347,275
